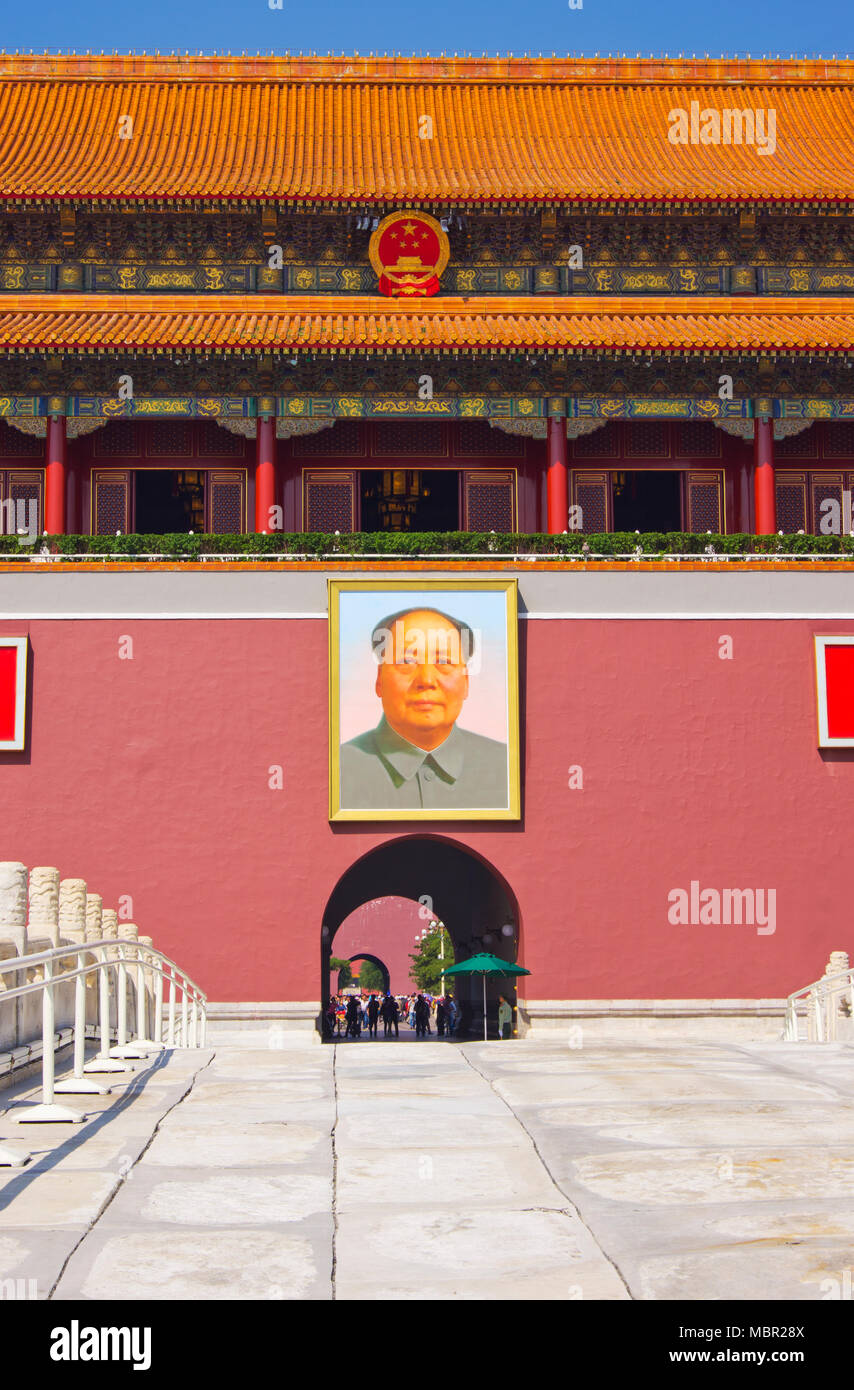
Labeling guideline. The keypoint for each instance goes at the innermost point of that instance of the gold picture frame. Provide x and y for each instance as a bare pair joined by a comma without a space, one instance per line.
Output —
389,772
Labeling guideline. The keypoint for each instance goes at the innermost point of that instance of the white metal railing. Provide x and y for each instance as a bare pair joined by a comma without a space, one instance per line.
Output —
111,958
819,1006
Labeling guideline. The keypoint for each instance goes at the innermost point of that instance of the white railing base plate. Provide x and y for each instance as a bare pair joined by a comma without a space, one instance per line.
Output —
102,1065
79,1086
135,1050
49,1115
13,1158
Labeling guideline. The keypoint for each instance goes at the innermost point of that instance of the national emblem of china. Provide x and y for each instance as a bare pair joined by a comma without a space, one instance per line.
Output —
409,251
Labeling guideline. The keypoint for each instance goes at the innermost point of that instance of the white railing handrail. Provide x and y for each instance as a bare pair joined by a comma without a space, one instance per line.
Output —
838,977
817,998
13,965
107,956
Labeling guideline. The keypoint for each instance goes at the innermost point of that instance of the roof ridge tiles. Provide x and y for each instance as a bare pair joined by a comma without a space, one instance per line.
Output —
391,68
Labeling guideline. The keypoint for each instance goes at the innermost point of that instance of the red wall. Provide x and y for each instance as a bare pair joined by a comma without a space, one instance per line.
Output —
385,928
150,777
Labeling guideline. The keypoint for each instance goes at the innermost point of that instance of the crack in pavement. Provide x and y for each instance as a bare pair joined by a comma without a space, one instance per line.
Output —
570,1208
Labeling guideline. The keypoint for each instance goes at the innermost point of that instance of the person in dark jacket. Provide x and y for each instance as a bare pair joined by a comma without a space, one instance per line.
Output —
373,1014
390,1014
329,1018
422,1014
441,1017
352,1018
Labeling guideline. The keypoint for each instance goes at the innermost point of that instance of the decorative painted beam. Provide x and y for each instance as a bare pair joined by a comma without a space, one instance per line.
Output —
342,278
409,407
656,408
86,410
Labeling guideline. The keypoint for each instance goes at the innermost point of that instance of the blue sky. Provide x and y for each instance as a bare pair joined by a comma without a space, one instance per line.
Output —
820,27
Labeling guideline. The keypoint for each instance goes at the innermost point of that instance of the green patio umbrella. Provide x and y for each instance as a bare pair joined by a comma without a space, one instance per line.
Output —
486,964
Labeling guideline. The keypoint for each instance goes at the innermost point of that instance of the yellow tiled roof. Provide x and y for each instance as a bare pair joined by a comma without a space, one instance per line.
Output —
353,130
114,323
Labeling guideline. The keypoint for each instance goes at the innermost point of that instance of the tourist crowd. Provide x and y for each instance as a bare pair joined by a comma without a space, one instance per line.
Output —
351,1015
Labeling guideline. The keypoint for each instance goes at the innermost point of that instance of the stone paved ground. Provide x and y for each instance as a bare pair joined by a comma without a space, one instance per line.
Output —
433,1170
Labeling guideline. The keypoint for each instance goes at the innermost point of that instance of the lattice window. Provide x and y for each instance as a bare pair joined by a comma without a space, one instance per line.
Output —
791,496
823,486
28,487
119,439
110,503
591,492
601,444
410,439
344,440
216,443
838,440
647,439
477,439
705,510
798,446
15,445
329,502
226,493
698,439
169,439
489,502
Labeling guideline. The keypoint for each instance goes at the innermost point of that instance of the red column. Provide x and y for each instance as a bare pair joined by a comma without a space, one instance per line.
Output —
557,476
54,476
765,500
743,493
265,473
72,497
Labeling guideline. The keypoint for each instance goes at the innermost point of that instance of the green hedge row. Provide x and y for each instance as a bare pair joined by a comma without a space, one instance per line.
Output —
317,544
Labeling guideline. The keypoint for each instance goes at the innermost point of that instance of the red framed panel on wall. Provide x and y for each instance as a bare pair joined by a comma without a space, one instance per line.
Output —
13,693
834,671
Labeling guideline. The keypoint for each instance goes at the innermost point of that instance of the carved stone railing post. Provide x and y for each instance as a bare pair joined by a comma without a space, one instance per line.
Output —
42,935
94,907
110,926
13,938
43,922
72,927
72,910
13,903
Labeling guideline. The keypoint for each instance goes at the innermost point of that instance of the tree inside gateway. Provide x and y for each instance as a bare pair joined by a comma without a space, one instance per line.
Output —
344,969
428,962
370,976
